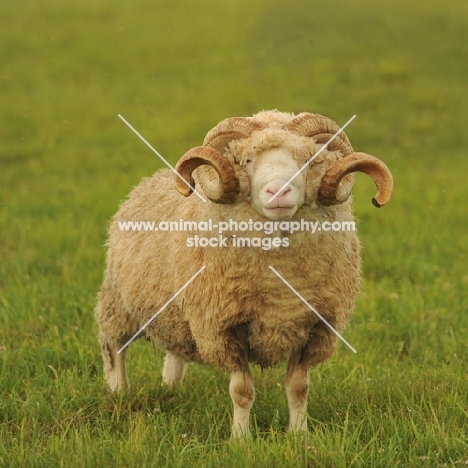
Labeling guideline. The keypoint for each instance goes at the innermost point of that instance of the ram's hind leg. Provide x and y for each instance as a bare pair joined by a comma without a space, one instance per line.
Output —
174,370
114,330
114,366
297,390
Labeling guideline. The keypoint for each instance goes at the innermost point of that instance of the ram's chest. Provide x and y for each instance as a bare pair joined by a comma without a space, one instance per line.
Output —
273,334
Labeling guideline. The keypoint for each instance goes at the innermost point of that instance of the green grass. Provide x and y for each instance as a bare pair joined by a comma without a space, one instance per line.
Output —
174,69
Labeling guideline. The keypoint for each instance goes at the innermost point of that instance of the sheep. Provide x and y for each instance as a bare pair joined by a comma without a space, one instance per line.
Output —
237,311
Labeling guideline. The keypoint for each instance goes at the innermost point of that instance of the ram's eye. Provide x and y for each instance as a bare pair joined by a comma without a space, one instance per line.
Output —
248,160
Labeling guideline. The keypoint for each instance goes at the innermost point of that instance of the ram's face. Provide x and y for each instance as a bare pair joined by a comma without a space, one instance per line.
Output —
272,193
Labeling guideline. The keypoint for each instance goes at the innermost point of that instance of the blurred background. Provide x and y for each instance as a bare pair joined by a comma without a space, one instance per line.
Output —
174,70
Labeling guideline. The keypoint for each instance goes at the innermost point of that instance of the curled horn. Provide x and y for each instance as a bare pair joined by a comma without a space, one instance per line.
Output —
361,162
218,178
321,129
231,129
228,186
337,183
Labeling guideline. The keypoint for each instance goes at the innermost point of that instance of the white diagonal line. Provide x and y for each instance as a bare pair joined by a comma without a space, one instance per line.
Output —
161,309
313,310
312,158
162,159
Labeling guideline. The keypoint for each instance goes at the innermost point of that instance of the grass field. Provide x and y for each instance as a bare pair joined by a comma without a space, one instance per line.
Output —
174,69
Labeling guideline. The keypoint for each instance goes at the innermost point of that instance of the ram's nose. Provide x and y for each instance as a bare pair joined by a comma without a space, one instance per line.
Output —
276,194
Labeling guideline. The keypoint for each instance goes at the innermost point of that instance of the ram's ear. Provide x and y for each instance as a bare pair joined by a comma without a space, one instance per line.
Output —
332,191
221,184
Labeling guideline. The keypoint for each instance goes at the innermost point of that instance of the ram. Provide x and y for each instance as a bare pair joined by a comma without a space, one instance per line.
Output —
238,311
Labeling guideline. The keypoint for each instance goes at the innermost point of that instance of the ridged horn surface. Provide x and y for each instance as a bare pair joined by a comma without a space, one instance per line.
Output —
224,190
321,129
230,129
357,162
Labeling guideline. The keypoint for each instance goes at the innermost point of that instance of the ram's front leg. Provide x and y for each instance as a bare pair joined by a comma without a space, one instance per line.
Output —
297,390
242,392
228,349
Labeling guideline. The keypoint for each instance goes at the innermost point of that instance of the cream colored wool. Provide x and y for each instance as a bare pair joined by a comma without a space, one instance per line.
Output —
237,309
